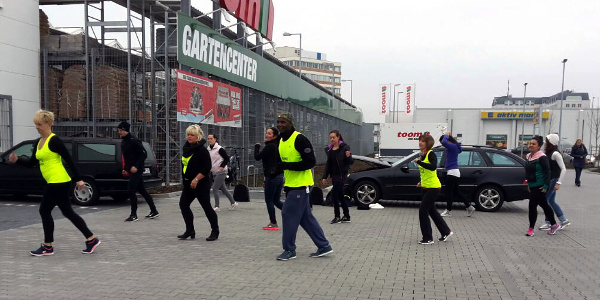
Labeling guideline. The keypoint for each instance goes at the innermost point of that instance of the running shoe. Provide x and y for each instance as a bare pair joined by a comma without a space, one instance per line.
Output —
131,219
530,232
445,237
470,211
322,251
152,215
271,226
336,220
545,227
425,242
233,206
43,251
345,219
554,228
90,246
287,255
217,209
446,213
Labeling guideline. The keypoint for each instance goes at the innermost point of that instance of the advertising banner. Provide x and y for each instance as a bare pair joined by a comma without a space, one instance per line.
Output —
501,115
385,98
410,99
201,100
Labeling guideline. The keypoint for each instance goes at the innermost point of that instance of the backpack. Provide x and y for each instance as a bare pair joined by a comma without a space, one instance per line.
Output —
241,193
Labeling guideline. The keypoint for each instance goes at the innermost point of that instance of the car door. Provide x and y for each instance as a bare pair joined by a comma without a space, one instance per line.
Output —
17,178
473,170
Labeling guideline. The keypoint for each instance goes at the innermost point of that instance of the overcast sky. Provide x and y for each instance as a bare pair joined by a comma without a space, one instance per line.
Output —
460,53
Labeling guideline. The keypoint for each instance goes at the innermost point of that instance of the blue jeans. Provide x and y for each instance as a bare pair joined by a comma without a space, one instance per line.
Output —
273,188
551,198
296,212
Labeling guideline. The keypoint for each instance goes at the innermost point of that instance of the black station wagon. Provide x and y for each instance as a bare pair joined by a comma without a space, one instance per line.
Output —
99,161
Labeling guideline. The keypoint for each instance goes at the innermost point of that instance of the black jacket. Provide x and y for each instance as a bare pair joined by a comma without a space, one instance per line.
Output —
337,163
199,163
269,156
55,145
133,152
579,153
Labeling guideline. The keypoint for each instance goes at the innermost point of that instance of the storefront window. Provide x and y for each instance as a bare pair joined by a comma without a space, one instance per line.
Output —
496,140
524,140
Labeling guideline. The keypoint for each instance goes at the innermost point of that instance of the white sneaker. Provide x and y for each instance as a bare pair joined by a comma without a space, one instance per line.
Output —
233,206
217,208
446,213
470,211
564,224
545,226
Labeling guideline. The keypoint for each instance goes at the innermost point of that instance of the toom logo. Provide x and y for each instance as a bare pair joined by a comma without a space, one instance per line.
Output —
384,99
258,14
408,99
412,135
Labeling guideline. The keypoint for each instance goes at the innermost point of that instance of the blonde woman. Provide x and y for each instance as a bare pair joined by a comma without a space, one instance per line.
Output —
195,168
48,153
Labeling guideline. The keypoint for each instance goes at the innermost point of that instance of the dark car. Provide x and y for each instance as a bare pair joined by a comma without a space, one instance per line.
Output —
489,177
99,161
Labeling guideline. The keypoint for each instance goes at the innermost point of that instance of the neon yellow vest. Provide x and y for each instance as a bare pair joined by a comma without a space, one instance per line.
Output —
51,164
185,161
429,178
288,153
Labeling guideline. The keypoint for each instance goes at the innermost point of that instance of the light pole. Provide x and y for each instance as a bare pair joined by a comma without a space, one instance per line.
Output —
523,120
394,105
562,90
350,88
300,54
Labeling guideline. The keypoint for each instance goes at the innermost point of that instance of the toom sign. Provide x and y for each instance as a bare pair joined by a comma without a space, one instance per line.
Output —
409,100
258,14
384,98
412,135
401,139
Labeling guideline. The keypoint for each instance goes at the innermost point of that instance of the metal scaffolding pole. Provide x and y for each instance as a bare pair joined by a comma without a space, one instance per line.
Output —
167,100
153,81
144,110
87,69
129,61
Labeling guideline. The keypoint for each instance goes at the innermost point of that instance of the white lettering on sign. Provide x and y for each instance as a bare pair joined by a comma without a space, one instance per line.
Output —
204,48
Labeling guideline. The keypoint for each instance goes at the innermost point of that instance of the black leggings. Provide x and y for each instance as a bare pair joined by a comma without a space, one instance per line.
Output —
187,197
338,198
57,194
536,197
453,191
426,210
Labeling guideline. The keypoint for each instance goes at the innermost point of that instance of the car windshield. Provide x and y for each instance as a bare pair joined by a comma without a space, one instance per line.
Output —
405,159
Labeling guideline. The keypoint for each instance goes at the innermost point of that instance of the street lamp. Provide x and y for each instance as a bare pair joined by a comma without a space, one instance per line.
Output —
562,90
300,35
343,80
523,120
394,105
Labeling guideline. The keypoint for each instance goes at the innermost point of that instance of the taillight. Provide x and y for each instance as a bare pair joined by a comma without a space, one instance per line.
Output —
525,182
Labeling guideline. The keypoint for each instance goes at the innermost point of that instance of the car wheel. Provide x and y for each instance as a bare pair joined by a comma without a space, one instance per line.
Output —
489,198
366,192
120,197
87,196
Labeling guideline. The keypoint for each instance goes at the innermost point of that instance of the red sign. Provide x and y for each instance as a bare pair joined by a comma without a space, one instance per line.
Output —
201,100
383,99
250,11
412,134
408,100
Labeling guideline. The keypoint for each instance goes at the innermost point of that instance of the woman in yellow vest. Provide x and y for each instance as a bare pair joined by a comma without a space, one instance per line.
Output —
430,185
48,152
195,167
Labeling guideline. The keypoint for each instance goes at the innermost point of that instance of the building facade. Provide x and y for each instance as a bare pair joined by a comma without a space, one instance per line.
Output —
315,66
19,70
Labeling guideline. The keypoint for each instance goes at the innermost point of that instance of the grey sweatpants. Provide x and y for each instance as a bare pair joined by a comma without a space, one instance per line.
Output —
219,184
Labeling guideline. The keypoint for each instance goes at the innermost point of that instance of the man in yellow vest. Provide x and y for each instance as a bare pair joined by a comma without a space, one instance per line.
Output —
297,160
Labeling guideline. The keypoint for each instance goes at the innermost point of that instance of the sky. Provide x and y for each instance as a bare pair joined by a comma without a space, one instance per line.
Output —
459,53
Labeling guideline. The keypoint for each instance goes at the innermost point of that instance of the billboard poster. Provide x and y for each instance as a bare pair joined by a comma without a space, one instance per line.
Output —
205,101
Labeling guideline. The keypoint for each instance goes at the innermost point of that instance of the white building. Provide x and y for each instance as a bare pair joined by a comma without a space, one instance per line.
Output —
314,66
19,70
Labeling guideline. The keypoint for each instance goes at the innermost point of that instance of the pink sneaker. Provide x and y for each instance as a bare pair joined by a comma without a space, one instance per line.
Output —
554,228
530,232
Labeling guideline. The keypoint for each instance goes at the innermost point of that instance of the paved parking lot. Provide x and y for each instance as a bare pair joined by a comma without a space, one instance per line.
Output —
375,257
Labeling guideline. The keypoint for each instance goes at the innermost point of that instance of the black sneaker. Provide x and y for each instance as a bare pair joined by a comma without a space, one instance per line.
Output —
90,246
131,219
322,251
42,251
336,220
153,215
445,237
425,242
287,255
345,219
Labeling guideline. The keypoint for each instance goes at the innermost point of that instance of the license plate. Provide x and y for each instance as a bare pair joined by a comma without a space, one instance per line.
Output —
147,171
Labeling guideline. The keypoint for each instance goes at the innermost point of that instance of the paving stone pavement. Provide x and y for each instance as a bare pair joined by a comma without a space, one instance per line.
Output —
375,257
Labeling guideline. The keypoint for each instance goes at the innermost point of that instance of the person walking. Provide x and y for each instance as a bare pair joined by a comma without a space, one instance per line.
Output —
453,148
537,173
557,173
273,177
219,169
134,155
579,153
338,163
49,151
297,160
430,186
195,170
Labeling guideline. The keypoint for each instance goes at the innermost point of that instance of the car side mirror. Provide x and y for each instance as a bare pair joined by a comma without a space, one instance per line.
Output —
404,169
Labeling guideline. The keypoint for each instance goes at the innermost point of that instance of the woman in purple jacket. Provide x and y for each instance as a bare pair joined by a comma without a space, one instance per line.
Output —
453,175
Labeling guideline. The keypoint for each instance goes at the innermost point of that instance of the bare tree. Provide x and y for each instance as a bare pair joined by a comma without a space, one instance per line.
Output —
594,125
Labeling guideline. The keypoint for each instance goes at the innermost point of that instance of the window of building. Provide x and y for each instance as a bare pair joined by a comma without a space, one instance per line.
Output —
567,105
578,105
496,140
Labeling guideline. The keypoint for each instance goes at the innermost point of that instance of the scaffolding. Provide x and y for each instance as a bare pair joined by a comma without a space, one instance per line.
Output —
138,84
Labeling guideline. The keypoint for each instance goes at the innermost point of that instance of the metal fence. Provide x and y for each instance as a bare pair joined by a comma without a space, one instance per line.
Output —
93,102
